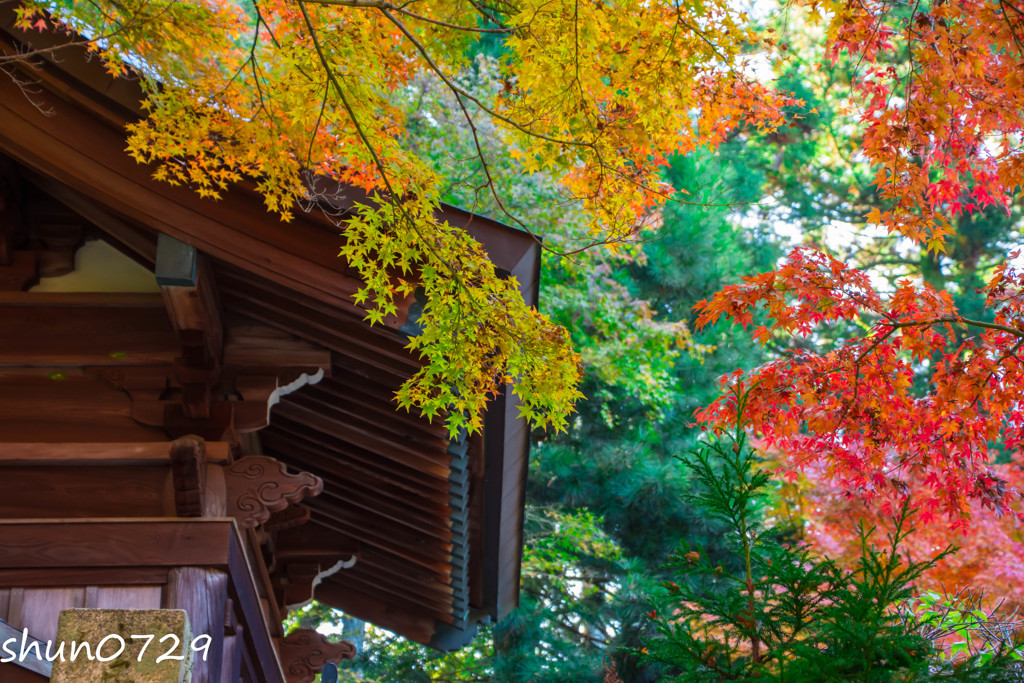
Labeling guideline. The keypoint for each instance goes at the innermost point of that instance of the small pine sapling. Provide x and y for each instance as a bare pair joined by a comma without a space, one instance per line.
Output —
787,614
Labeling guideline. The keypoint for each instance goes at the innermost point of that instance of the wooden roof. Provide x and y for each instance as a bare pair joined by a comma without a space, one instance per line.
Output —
437,524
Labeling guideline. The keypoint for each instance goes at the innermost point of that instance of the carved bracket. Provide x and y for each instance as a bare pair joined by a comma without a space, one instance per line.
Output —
304,653
165,396
258,486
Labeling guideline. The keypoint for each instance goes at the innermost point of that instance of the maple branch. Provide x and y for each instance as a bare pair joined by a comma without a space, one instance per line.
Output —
28,87
369,147
1003,4
386,9
428,245
876,344
20,56
960,321
456,89
991,373
490,184
384,5
316,129
893,326
461,93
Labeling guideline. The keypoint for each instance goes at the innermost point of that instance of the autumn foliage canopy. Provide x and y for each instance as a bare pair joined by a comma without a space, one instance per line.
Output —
922,397
281,91
598,93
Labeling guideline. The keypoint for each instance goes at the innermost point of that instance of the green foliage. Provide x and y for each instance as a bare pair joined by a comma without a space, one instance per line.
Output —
606,504
787,615
585,286
616,460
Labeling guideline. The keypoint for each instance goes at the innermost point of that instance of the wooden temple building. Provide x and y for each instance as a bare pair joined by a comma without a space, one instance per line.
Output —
195,415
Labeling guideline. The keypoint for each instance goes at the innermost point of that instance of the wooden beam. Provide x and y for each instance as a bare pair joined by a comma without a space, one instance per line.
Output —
196,309
70,491
67,408
76,576
83,334
156,454
252,348
88,299
130,542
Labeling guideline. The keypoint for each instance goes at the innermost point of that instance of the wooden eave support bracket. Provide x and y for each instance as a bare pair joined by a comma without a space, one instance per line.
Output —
304,557
251,489
305,652
190,293
258,486
297,575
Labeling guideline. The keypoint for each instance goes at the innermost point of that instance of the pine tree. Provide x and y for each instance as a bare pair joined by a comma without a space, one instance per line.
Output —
788,615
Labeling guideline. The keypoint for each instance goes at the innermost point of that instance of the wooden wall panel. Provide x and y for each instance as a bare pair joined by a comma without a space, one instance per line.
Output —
17,597
41,608
128,597
66,408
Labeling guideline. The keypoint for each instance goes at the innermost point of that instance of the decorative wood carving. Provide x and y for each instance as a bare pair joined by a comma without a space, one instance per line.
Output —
173,397
258,486
188,472
260,393
304,653
193,391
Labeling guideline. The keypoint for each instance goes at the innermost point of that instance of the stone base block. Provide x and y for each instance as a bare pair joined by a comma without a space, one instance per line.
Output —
123,646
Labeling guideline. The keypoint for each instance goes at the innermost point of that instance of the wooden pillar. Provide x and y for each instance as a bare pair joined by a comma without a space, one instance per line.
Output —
203,594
